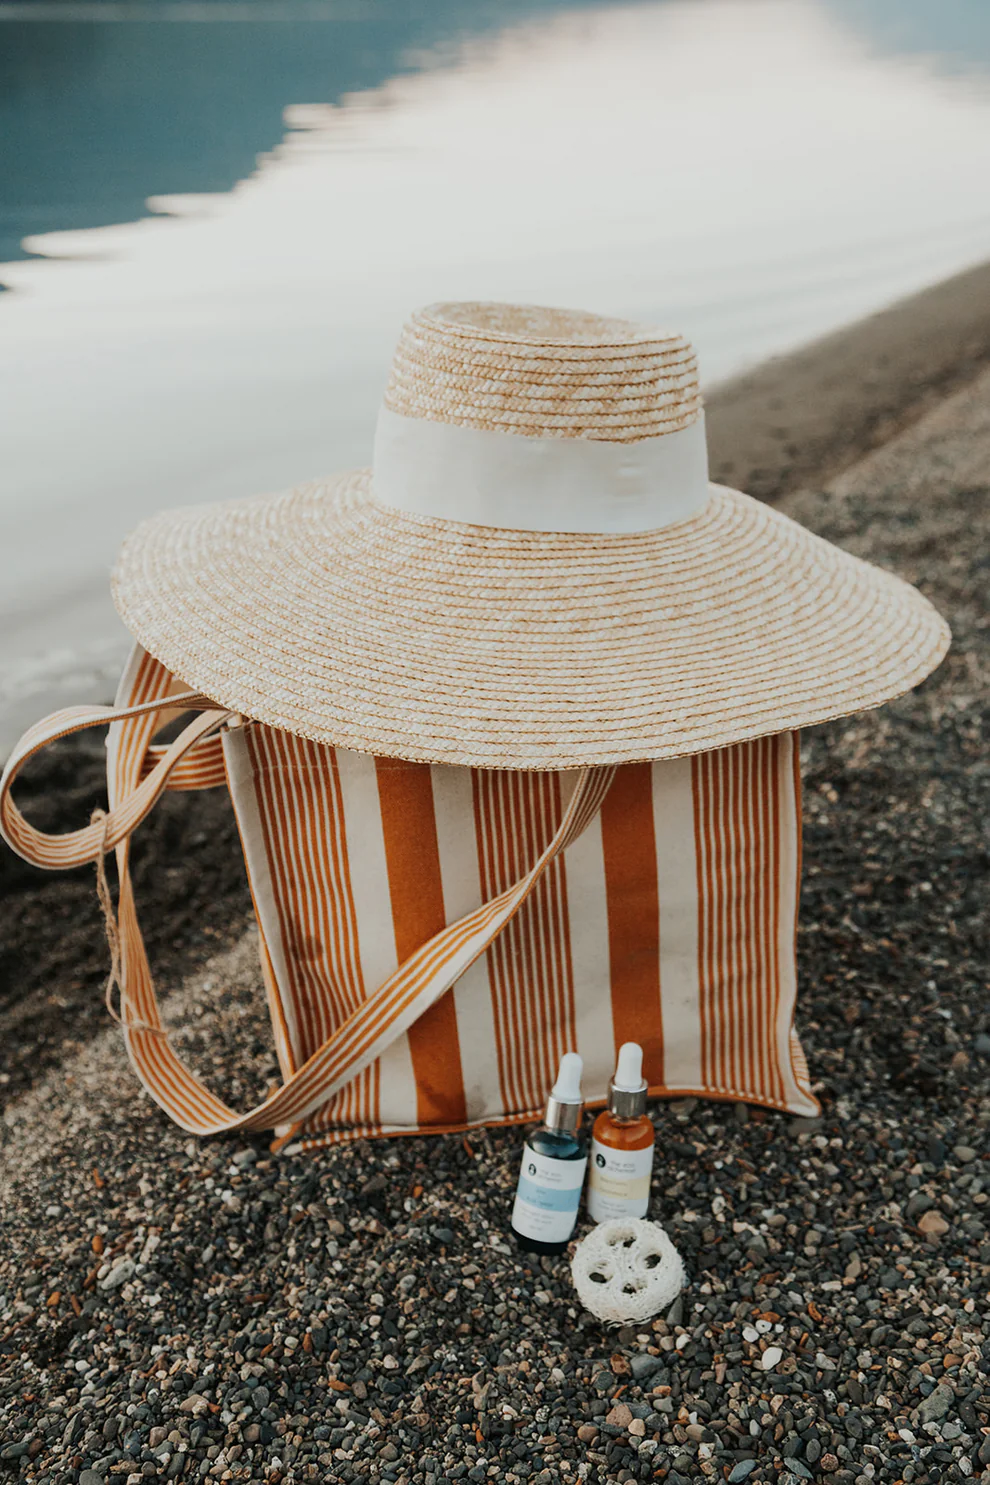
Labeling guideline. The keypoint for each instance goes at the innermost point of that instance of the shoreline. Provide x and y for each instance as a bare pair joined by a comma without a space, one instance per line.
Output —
801,418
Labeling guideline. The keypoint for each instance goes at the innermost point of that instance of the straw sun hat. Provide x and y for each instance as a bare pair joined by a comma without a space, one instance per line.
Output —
536,573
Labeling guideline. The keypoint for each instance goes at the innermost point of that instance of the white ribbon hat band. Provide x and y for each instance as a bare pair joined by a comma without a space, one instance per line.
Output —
509,480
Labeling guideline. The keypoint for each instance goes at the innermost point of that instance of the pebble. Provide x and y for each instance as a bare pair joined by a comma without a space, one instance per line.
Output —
119,1274
935,1405
770,1357
965,1154
742,1470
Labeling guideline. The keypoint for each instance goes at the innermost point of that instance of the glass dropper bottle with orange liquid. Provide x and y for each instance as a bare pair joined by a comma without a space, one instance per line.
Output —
622,1140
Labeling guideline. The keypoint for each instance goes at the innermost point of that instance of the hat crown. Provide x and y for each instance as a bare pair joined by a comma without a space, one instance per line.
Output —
543,373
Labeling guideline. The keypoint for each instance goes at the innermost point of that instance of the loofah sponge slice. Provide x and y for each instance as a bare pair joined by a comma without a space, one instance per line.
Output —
625,1271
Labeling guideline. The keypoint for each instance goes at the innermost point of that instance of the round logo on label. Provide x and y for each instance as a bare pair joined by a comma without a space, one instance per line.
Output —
600,1160
532,1169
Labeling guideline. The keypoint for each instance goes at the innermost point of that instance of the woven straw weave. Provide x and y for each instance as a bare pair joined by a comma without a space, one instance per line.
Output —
351,622
537,372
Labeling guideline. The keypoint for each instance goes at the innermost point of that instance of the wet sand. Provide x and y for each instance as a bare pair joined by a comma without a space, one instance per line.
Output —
799,419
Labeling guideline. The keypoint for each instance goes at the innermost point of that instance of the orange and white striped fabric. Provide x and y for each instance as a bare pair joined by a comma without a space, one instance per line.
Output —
435,937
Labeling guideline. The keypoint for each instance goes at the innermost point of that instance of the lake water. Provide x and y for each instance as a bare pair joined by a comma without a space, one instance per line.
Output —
214,215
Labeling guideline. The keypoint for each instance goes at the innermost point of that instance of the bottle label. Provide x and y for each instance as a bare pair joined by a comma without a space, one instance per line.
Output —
620,1182
548,1196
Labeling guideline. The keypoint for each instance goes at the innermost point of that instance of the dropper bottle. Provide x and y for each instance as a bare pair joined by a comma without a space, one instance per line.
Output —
554,1161
622,1144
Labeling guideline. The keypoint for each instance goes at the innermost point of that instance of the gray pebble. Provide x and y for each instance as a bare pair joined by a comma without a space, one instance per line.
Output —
936,1405
742,1470
119,1274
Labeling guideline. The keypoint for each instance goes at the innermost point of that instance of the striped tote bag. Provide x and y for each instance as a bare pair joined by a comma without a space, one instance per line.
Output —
433,938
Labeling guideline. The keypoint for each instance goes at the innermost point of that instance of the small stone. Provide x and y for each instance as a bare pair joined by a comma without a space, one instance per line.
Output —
587,1433
90,1477
644,1365
981,1046
740,1113
964,1154
15,1451
829,1463
637,1428
799,1468
935,1405
770,1357
195,1403
742,1470
245,1157
853,1268
935,1149
619,1417
933,1224
122,1270
252,1433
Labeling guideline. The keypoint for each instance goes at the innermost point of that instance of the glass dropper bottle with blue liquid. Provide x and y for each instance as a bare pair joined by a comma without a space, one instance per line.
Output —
554,1162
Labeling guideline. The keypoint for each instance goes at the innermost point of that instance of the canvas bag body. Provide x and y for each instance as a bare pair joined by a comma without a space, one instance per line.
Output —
670,920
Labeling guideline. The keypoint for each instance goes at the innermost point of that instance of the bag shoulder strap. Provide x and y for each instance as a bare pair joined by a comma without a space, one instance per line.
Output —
59,852
383,1016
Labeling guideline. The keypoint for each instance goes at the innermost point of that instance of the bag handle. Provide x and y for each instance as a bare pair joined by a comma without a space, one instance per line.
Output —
366,1034
59,852
385,1015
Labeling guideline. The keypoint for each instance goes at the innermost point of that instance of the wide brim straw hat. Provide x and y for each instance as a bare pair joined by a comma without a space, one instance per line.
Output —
535,574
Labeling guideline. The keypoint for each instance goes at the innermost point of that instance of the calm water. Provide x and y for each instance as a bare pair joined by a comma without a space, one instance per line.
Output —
215,214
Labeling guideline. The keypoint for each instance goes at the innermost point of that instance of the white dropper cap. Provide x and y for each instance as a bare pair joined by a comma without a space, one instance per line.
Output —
564,1105
627,1091
567,1088
629,1069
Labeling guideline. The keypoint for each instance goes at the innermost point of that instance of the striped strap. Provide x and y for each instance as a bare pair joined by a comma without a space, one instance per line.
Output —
58,852
385,1015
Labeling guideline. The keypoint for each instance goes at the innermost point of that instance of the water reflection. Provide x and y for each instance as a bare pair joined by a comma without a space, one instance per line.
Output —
158,98
753,171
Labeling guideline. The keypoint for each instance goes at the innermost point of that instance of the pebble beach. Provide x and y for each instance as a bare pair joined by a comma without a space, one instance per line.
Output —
186,1310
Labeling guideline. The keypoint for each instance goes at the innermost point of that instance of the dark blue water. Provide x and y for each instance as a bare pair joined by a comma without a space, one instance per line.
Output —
159,97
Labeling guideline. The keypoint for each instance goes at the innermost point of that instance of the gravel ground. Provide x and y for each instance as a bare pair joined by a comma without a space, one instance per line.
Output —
53,953
177,1309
